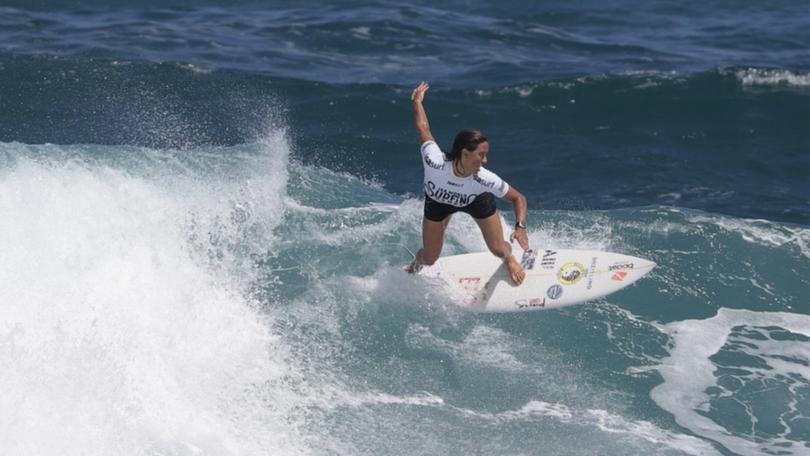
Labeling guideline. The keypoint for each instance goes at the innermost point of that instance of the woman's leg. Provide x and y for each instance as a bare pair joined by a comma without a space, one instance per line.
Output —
432,240
493,235
432,243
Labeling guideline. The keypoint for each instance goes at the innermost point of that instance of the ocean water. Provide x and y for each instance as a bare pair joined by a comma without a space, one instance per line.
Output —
204,208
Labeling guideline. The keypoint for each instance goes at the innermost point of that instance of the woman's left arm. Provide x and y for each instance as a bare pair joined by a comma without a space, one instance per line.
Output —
519,202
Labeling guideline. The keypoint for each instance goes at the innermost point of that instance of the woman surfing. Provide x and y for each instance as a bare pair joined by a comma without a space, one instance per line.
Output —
458,182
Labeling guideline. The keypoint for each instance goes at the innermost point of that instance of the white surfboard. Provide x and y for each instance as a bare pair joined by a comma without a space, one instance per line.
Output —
554,278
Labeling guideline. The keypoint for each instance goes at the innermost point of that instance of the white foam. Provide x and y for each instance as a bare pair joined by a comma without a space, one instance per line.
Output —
361,32
483,346
610,422
125,326
529,411
583,231
689,371
359,400
488,349
755,76
595,419
598,419
523,91
195,68
540,408
762,232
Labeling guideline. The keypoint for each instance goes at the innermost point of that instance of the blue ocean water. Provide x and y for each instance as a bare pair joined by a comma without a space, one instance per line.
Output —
203,208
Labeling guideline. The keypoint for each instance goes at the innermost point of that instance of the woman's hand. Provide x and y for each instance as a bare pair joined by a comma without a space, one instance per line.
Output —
418,94
419,114
522,237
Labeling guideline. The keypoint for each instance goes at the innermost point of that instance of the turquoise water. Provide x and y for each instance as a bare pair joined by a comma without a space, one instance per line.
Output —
235,300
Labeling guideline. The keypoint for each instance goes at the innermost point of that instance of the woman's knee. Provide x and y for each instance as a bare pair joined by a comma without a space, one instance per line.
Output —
501,249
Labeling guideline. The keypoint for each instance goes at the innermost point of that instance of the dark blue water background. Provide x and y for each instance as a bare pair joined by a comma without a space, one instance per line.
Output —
587,105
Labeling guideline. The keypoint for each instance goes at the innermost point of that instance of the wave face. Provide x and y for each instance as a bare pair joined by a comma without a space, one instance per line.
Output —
204,210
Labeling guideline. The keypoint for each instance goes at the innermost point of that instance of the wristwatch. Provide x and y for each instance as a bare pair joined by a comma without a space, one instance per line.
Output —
520,225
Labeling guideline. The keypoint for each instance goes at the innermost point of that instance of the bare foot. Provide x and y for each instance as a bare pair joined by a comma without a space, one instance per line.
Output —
412,267
516,270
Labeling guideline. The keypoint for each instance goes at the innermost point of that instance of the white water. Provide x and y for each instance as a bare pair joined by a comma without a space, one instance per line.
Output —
689,375
125,326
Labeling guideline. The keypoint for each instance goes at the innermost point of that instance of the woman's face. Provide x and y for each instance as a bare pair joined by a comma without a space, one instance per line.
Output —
477,158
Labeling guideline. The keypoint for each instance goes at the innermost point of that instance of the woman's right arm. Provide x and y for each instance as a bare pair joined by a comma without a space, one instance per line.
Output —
419,115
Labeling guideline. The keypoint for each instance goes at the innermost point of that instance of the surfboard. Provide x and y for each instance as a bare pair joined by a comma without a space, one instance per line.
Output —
554,278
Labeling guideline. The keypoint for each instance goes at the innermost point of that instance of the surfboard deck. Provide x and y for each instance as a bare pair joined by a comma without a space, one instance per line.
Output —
554,278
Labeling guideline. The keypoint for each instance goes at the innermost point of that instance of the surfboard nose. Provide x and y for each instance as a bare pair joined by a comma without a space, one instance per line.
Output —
640,268
644,264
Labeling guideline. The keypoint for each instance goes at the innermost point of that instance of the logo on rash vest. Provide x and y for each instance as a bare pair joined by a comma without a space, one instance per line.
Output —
571,273
432,163
487,184
442,195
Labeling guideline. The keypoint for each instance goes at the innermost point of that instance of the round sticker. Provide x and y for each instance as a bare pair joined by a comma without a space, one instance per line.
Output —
554,291
571,273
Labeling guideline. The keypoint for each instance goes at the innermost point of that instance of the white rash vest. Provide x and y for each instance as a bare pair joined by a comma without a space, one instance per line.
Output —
443,186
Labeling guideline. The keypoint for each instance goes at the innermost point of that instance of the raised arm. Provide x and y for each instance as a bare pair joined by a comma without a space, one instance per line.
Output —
419,115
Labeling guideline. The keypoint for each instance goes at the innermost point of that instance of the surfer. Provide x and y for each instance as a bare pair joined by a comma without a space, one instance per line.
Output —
457,181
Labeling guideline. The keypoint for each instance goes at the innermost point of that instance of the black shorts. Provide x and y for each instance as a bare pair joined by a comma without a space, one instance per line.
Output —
482,207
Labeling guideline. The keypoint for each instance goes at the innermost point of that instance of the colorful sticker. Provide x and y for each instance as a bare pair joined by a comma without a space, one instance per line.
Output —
529,257
619,276
571,273
554,291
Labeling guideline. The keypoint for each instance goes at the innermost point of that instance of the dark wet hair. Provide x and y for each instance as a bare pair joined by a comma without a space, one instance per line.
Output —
466,139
